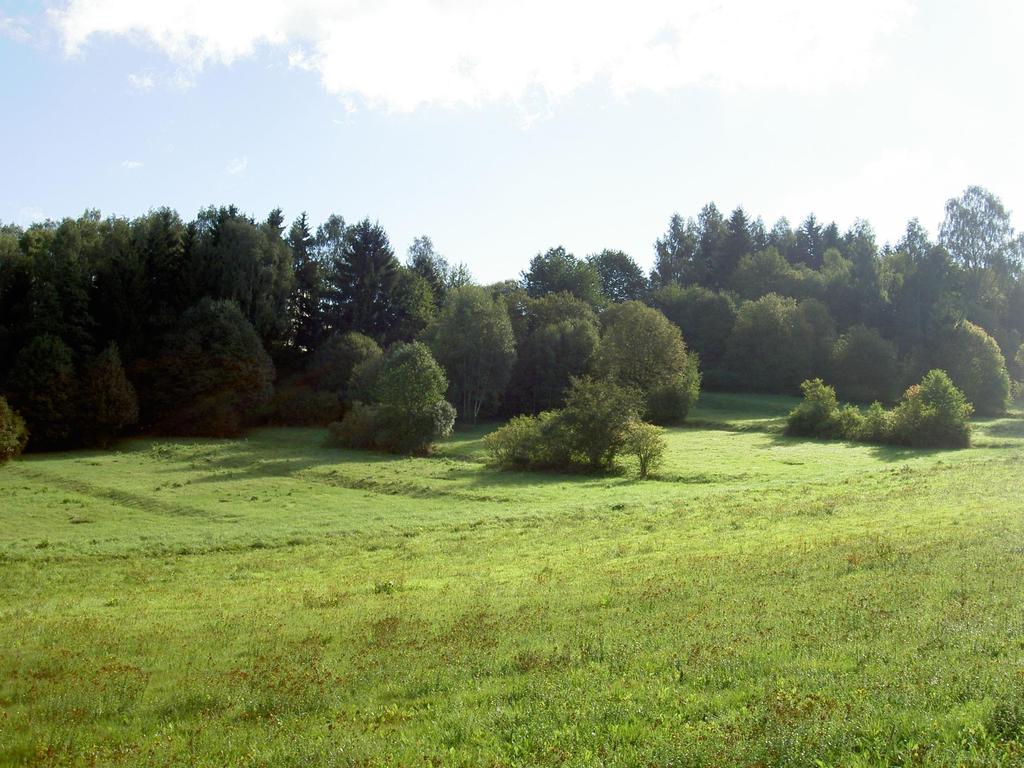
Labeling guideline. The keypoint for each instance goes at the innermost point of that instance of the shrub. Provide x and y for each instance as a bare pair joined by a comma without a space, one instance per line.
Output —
876,426
976,365
595,417
516,443
297,405
819,413
865,366
647,443
933,414
357,430
13,433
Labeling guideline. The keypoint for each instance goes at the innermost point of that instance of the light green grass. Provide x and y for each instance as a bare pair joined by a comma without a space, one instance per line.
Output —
269,601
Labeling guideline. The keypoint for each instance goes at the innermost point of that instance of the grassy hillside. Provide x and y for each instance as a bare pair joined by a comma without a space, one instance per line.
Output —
269,601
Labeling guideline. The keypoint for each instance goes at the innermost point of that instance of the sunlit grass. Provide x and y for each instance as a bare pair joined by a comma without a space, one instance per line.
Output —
271,601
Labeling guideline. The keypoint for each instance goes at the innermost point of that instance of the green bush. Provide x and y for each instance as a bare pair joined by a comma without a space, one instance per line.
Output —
357,430
516,444
933,414
296,405
406,410
13,433
595,417
213,377
876,425
818,415
647,443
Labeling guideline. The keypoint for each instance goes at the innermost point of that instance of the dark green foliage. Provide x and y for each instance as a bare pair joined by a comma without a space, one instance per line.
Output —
621,278
44,386
556,271
704,316
865,367
305,305
977,367
472,339
357,430
640,348
669,401
777,343
213,376
295,405
412,306
13,432
556,340
932,414
332,366
361,275
108,400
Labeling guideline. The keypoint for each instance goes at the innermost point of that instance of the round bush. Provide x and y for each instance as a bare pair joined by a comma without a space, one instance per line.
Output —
933,414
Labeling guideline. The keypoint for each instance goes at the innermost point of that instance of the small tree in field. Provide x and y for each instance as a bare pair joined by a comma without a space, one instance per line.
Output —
596,416
647,443
13,434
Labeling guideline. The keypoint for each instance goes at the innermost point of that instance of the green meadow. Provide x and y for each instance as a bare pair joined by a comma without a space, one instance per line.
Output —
270,601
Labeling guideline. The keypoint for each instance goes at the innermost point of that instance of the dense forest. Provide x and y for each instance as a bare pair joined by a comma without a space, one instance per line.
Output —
205,327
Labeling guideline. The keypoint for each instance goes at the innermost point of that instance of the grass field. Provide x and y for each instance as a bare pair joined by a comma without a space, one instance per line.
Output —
271,602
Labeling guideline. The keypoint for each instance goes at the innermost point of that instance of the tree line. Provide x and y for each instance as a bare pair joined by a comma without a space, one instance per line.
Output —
207,326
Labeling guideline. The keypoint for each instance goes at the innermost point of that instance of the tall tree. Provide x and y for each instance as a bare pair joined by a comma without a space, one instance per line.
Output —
361,278
472,339
676,253
621,277
558,270
305,306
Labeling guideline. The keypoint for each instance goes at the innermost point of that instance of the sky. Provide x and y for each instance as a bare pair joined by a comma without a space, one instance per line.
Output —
503,128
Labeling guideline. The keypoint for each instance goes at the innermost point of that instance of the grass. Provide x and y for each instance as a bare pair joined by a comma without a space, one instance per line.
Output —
271,602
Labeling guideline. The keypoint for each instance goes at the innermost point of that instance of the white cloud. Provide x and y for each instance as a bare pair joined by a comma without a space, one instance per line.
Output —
141,82
401,54
14,28
131,165
237,166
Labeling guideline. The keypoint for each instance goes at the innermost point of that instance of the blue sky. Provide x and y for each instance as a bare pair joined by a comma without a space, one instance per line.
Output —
502,129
